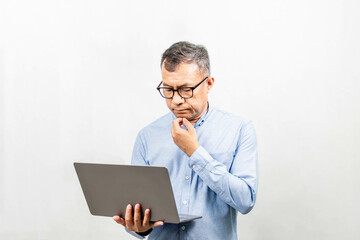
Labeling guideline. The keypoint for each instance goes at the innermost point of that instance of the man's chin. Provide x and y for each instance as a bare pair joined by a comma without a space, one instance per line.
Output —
179,115
182,115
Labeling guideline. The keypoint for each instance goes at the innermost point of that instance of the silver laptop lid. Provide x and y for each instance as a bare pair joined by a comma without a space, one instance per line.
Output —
108,189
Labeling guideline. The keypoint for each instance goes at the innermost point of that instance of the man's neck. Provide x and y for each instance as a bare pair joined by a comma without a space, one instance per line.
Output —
193,121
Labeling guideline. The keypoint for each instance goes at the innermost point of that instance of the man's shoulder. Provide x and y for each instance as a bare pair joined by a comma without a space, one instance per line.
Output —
219,115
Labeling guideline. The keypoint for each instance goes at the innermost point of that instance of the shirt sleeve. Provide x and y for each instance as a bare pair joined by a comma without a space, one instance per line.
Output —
238,186
135,234
139,151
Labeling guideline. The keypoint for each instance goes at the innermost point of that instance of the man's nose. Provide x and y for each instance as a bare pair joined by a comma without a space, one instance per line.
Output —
177,99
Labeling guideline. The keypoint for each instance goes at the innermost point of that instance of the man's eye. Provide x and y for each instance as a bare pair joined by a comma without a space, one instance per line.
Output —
186,90
167,90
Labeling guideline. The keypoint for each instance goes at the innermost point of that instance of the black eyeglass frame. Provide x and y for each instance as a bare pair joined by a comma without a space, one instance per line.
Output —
177,90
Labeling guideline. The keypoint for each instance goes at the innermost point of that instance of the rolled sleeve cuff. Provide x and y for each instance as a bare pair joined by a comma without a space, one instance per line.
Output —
135,234
199,159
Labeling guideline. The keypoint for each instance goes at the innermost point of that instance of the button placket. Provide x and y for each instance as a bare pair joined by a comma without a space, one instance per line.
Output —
186,192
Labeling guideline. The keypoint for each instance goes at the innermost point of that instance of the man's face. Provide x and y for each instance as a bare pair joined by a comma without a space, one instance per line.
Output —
187,75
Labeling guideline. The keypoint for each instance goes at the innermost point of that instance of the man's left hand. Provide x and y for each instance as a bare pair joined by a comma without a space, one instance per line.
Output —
185,139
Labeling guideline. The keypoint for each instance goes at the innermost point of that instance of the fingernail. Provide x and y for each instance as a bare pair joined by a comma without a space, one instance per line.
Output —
129,206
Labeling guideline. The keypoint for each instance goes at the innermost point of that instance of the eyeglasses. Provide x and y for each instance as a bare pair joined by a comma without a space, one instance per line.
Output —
184,92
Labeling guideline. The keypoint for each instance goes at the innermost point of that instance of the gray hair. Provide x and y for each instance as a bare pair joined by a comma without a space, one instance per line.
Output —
185,52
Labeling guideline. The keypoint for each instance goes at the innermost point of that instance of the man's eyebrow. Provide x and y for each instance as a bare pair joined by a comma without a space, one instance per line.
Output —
180,86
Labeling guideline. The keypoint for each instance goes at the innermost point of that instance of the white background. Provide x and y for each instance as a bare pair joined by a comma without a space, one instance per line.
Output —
78,78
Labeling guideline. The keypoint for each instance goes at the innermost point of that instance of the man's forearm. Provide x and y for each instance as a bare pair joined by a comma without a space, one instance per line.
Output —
231,189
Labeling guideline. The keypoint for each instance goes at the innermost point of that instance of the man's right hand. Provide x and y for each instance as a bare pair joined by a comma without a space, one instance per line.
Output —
134,223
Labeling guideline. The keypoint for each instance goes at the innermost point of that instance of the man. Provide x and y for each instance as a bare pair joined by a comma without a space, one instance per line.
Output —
211,155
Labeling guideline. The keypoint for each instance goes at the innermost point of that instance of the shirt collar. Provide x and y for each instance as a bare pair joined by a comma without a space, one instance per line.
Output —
203,118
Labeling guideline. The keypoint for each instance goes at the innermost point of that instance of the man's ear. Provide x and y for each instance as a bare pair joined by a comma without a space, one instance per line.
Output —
209,84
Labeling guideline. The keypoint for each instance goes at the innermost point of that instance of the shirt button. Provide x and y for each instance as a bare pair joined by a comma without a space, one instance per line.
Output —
187,177
183,227
184,202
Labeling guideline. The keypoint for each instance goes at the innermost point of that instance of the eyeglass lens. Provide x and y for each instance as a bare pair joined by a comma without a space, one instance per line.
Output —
183,92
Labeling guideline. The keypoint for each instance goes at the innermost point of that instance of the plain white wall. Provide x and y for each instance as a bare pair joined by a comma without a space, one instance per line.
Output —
78,78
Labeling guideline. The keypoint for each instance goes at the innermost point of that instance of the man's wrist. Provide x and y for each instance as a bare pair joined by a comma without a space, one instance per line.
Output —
145,233
192,150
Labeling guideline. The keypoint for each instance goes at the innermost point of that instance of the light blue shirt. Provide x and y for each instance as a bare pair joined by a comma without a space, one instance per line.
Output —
217,181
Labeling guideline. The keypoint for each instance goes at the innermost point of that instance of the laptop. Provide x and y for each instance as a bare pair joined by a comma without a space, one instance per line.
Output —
108,189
